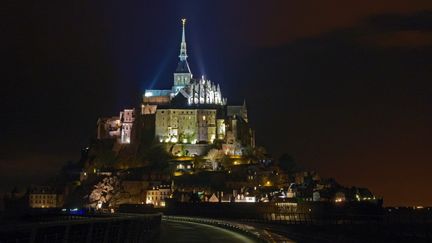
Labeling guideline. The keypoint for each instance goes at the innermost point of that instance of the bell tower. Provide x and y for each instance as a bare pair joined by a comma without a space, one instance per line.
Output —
182,75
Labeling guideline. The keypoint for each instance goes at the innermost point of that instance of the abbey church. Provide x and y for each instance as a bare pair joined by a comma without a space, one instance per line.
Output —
193,114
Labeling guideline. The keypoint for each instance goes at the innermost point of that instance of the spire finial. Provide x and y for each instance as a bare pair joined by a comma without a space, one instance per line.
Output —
183,55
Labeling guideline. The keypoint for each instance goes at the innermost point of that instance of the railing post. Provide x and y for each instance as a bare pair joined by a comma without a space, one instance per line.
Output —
33,235
89,233
107,231
66,233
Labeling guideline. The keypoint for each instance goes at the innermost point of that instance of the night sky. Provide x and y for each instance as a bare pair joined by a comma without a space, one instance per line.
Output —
346,88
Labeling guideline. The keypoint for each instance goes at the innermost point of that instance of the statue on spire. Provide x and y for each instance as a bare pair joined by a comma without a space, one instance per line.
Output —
183,55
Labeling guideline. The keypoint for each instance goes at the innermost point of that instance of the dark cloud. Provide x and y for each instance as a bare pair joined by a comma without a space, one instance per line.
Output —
351,110
389,31
412,38
282,21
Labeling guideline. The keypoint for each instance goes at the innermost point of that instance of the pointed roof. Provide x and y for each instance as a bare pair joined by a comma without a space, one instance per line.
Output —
183,52
183,66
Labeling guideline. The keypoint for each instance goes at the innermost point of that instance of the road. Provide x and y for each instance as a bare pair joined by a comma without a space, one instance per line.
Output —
180,231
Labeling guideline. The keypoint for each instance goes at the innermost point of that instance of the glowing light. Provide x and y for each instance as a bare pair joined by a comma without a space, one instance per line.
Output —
148,94
178,173
180,166
250,199
174,140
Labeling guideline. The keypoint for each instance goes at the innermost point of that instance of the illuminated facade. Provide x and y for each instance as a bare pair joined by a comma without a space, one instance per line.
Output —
187,125
174,125
117,127
45,197
127,117
157,195
108,127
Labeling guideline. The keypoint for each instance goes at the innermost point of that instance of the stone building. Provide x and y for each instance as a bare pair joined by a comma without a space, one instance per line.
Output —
117,127
45,197
127,117
193,111
108,127
156,195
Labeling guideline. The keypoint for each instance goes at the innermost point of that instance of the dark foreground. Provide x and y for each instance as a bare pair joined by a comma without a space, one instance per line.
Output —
135,227
80,228
180,231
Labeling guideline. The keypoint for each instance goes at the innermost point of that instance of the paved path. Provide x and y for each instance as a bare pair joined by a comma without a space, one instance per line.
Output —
190,232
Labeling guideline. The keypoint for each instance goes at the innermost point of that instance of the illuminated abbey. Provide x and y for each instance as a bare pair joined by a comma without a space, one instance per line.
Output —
192,113
195,91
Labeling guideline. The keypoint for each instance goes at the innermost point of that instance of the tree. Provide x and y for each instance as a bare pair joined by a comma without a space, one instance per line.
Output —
194,197
225,162
214,156
254,154
103,192
217,143
156,155
105,158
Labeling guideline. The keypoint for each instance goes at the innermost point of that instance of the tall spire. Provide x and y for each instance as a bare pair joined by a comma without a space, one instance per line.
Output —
182,74
183,56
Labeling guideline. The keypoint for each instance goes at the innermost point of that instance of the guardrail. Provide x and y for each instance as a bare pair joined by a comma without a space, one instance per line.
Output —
101,228
304,227
253,232
388,228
